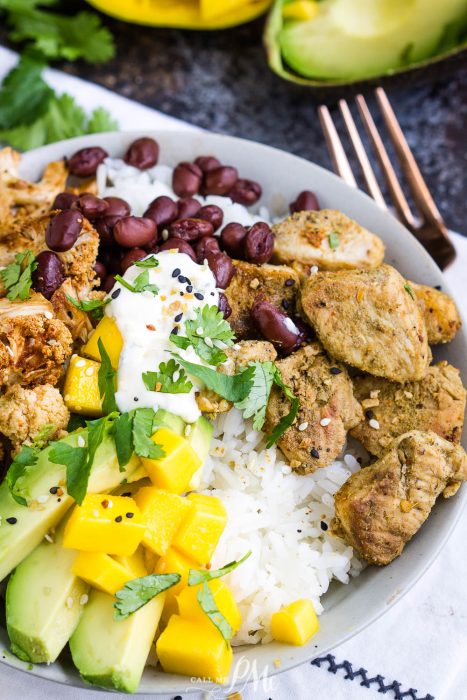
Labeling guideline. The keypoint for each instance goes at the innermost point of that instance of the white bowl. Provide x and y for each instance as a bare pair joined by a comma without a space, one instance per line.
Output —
350,608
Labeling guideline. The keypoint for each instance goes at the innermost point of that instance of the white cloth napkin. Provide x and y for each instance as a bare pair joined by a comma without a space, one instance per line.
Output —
417,650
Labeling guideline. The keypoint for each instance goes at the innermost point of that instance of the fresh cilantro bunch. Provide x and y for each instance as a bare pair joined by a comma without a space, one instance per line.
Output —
170,379
208,333
140,591
17,276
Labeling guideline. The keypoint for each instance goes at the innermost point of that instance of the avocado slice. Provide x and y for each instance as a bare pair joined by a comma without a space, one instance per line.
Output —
22,528
170,421
351,40
200,438
112,653
43,602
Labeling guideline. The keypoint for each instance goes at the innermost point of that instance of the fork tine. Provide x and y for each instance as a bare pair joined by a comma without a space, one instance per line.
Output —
420,191
368,172
339,159
395,190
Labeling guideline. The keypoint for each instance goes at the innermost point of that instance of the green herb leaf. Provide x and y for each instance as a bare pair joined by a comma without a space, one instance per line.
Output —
334,240
409,289
76,421
288,419
122,431
26,458
74,458
99,121
24,95
136,593
143,428
140,284
149,262
255,403
106,380
208,605
205,332
166,380
17,276
232,388
94,307
196,576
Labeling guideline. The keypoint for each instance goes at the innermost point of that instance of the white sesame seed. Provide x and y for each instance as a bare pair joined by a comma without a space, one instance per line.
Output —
209,342
351,461
48,314
80,363
69,602
81,441
84,599
303,426
313,270
89,371
165,235
110,504
286,469
95,513
48,538
42,499
200,330
373,423
187,430
324,422
67,397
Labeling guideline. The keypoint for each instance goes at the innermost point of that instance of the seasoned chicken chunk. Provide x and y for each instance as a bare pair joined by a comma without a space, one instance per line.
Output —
436,403
238,357
381,507
326,238
25,413
370,320
441,316
277,283
33,344
327,410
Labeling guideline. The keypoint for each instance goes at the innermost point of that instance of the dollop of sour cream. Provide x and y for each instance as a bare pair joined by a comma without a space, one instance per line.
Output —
146,321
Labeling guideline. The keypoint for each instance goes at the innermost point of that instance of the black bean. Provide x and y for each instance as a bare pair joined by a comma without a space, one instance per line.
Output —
180,245
48,275
213,214
188,208
131,257
222,268
133,231
92,207
207,163
162,211
190,229
306,201
63,230
117,207
246,192
220,180
65,200
275,326
142,153
232,239
206,244
259,244
224,305
85,162
186,179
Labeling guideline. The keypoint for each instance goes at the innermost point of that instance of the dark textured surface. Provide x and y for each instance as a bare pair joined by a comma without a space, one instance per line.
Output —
220,81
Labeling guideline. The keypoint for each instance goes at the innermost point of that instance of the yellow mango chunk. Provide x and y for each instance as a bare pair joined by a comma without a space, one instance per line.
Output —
163,513
215,8
110,524
189,607
112,340
101,571
81,390
174,563
194,648
295,623
134,563
199,533
301,10
174,471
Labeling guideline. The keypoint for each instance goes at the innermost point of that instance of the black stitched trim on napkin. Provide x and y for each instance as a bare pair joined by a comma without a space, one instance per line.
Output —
366,682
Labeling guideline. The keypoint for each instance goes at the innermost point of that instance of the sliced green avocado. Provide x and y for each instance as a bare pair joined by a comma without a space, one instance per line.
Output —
22,528
356,39
112,653
200,438
43,602
169,420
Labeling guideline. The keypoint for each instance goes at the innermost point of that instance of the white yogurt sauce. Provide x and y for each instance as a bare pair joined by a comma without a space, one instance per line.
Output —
146,321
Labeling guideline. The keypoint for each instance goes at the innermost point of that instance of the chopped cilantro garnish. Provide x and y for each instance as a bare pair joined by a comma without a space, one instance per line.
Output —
170,379
106,380
140,284
143,428
233,388
17,276
287,420
149,262
95,307
205,333
122,430
409,289
255,403
136,593
26,458
209,606
334,240
196,576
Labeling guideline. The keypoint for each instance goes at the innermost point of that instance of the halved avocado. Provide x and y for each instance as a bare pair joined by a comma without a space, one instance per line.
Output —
352,40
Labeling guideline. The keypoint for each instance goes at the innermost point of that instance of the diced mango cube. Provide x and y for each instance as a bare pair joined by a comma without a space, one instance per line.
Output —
174,563
107,331
199,533
301,10
189,607
295,623
110,524
163,513
194,648
81,390
101,571
174,471
134,563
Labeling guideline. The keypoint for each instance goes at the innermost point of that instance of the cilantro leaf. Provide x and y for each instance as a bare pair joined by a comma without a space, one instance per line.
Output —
334,240
99,121
143,428
106,380
409,289
205,333
122,431
287,420
95,307
208,605
233,388
196,576
26,458
140,284
150,262
136,593
255,403
17,276
170,379
24,95
74,458
76,421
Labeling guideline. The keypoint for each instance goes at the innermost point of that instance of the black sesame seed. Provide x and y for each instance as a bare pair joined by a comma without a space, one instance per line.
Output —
335,370
324,525
127,494
129,515
187,280
12,521
199,296
438,287
298,530
369,414
178,697
314,453
285,304
178,317
189,289
289,283
59,500
175,330
181,279
115,294
118,519
182,294
176,272
53,490
213,294
135,398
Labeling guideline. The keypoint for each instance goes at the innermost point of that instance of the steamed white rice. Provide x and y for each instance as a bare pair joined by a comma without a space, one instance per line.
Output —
282,517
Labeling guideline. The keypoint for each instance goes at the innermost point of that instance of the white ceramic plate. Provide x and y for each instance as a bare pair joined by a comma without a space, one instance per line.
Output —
351,608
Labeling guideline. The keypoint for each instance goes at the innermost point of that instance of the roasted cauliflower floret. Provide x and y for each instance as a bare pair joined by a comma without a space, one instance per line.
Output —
326,238
25,413
77,322
34,345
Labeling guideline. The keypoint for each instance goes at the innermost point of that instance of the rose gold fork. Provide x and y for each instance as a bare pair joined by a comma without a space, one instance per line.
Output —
428,227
